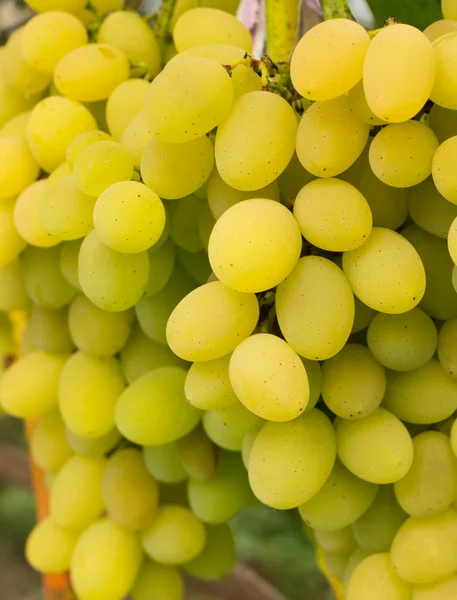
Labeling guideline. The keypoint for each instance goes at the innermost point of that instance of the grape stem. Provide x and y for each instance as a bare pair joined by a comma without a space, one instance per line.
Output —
163,23
282,18
336,9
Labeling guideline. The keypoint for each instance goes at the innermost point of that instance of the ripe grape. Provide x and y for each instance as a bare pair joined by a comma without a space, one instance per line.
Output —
198,454
18,168
359,106
208,385
340,541
13,294
68,262
49,447
81,141
184,223
164,463
218,556
444,88
49,547
124,103
17,72
11,242
156,581
374,577
439,28
136,136
27,220
447,354
429,209
228,426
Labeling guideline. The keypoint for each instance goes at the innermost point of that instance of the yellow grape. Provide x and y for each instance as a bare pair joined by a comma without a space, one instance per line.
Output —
447,347
130,493
16,126
363,315
359,106
224,54
176,536
444,175
49,547
49,447
68,262
46,5
424,396
155,582
386,272
28,388
13,103
53,124
124,103
448,9
162,261
269,378
227,427
129,33
425,550
375,578
353,382
203,26
340,541
443,590
333,215
445,88
290,462
314,374
136,136
48,37
315,308
153,409
341,501
439,28
13,295
398,73
335,564
107,6
164,463
111,280
430,210
105,562
81,141
187,99
182,6
89,389
430,485
443,121
17,72
161,162
91,72
377,448
330,137
27,216
60,172
328,60
208,386
18,169
249,154
221,319
245,80
75,499
93,447
217,558
11,242
402,342
198,454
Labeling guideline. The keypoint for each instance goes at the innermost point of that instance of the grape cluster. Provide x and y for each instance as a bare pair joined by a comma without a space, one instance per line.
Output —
240,286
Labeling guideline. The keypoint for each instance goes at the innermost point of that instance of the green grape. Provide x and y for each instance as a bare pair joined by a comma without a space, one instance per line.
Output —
53,124
184,223
363,315
187,99
217,500
447,347
444,88
269,378
16,126
155,582
18,169
386,272
130,493
162,260
28,388
161,162
227,427
359,106
154,311
354,559
81,141
164,463
65,211
43,279
198,454
249,154
27,216
48,37
59,173
221,196
75,499
443,172
221,319
330,137
93,447
443,590
12,103
111,280
224,54
431,484
353,382
245,80
452,241
377,448
182,6
377,527
424,396
425,550
315,308
247,259
206,223
203,26
246,448
336,564
439,28
68,261
49,547
208,385
89,389
13,295
328,60
11,243
314,374
107,6
333,215
443,121
153,409
48,328
448,9
91,72
17,72
430,210
439,300
175,537
96,331
135,137
339,541
129,33
46,5
290,462
398,73
375,578
106,562
196,265
341,501
124,103
48,443
217,558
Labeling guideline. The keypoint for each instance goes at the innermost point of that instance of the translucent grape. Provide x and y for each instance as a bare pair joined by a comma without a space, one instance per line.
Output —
81,141
17,72
225,54
156,581
198,454
442,590
164,463
439,28
27,216
359,106
443,173
340,541
444,88
290,462
16,125
196,265
18,169
49,547
377,448
136,136
218,556
335,564
106,6
447,347
11,242
161,264
314,373
13,295
376,577
13,103
48,444
430,210
48,329
227,427
245,80
68,261
208,386
124,103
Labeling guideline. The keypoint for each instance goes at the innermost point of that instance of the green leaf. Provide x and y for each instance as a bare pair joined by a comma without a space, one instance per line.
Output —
419,13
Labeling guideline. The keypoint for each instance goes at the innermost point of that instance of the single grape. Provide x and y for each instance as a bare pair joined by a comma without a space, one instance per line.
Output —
48,329
124,103
447,354
48,443
164,463
156,581
375,576
11,242
81,141
217,558
17,72
18,168
49,547
227,427
430,210
27,216
444,88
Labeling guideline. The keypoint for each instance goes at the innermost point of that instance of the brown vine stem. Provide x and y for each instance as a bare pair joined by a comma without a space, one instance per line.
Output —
336,9
163,22
282,18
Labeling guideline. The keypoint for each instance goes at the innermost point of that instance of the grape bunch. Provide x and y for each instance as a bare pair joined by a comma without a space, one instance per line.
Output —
240,287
